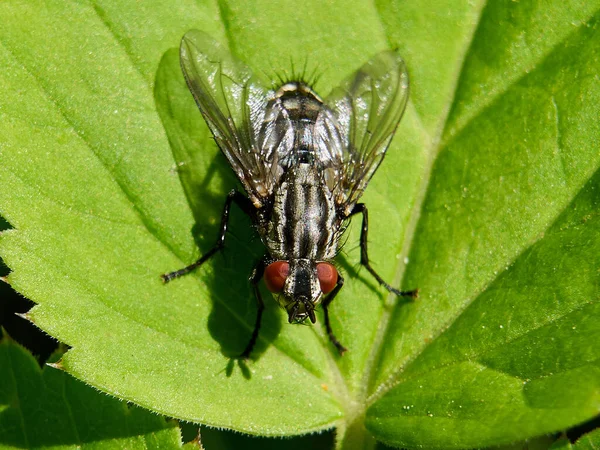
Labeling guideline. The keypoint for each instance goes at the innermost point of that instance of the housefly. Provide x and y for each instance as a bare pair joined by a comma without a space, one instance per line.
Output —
304,162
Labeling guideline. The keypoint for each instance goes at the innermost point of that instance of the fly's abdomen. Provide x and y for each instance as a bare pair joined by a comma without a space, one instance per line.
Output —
304,223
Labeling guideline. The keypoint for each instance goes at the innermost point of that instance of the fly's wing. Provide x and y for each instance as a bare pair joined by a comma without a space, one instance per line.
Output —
233,105
368,107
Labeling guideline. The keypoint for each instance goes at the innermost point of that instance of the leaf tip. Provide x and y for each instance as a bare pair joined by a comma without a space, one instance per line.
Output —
56,365
26,316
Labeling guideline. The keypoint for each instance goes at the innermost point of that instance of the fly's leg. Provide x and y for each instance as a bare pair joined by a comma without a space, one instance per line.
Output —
257,274
245,205
364,255
326,302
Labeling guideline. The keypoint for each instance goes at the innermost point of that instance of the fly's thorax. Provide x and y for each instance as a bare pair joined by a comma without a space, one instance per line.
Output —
298,128
299,97
304,223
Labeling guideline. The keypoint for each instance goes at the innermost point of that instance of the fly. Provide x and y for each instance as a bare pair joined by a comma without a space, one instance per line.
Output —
303,161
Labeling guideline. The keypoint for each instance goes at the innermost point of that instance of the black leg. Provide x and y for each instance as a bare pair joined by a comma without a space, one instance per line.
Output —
257,274
326,302
245,205
364,255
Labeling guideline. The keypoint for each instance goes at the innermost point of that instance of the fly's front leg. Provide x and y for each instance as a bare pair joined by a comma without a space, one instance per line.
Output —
326,302
364,255
245,205
257,274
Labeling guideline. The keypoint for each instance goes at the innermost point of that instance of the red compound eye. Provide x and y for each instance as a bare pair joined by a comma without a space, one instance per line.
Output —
328,276
275,275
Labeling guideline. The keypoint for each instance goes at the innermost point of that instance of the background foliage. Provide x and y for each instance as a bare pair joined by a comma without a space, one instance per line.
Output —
487,202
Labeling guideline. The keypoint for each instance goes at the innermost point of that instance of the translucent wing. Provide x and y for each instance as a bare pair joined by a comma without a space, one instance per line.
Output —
233,105
368,107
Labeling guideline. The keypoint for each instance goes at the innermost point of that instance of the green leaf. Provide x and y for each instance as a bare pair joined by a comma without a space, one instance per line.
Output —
487,202
505,341
589,441
50,409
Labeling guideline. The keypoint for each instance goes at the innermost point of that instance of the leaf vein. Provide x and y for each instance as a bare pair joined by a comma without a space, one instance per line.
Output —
146,221
432,151
393,378
493,94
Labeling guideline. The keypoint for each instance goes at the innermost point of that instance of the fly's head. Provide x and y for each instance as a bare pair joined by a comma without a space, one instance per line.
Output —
301,284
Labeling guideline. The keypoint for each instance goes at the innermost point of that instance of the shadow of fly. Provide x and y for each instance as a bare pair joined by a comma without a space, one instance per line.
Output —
304,163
